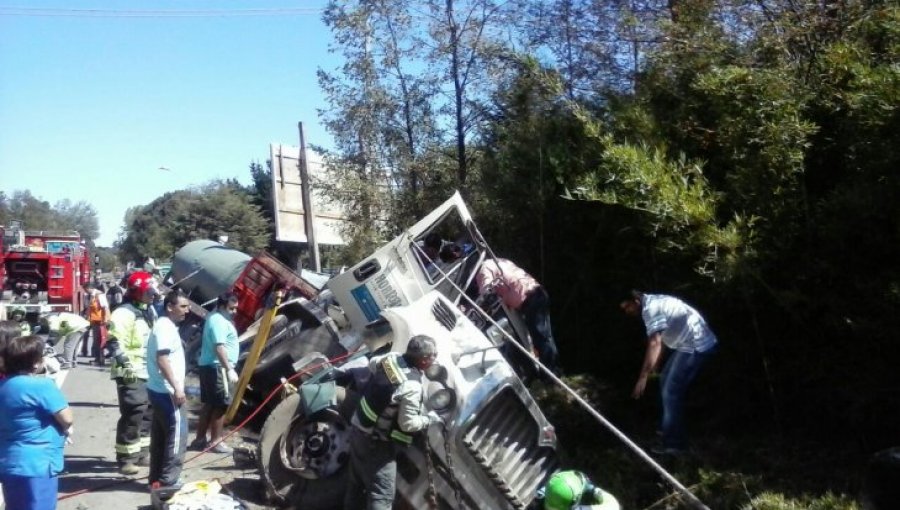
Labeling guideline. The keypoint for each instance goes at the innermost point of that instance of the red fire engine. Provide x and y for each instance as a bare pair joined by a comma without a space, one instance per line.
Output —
42,271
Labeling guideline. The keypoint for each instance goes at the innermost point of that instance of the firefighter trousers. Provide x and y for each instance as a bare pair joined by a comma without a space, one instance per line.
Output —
168,439
135,419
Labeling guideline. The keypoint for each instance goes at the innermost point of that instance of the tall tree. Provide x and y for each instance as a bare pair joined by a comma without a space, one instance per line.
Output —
160,228
80,216
37,214
470,50
34,213
356,120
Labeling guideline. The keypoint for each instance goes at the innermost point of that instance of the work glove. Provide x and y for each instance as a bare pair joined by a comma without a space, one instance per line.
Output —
232,376
128,375
69,432
434,418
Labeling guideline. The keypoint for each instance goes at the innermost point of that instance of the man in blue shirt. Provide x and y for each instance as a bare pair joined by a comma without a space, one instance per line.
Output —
219,352
672,323
165,388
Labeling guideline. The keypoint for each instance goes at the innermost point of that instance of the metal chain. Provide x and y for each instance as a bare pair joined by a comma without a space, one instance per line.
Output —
453,481
431,497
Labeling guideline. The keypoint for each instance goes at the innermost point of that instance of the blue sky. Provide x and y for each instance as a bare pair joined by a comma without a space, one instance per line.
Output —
91,106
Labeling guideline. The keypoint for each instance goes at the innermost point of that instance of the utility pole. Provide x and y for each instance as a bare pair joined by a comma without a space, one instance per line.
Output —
308,211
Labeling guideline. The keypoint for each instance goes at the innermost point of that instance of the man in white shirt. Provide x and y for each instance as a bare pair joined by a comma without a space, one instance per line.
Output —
165,389
672,323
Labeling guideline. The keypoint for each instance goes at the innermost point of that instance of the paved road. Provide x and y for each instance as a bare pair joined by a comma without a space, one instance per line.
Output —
91,479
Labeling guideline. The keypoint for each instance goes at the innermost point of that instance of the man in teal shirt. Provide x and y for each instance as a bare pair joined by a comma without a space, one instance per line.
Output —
218,355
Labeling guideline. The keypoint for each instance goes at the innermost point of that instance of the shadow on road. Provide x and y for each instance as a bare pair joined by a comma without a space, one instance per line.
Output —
94,474
249,490
95,405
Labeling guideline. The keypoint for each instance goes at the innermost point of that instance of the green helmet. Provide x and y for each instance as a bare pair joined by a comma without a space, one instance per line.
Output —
564,490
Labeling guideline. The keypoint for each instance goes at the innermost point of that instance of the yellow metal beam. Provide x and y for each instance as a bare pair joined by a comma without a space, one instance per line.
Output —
253,358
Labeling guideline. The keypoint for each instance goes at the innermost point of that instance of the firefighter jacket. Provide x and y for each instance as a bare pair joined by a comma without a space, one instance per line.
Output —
391,405
129,330
64,323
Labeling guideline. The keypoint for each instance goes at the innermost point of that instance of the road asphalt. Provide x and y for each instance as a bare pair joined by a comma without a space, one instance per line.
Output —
91,479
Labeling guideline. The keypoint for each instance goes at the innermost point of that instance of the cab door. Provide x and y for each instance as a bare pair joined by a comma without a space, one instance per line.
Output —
400,272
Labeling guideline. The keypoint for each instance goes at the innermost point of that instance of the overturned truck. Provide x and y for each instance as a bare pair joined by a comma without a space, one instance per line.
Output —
495,448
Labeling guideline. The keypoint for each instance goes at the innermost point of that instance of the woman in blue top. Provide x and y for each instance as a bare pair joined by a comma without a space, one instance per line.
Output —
34,422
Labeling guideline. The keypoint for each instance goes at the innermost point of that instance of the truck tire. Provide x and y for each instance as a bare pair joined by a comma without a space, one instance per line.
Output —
326,433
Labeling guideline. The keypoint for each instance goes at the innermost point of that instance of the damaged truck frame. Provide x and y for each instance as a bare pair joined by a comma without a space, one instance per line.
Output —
496,448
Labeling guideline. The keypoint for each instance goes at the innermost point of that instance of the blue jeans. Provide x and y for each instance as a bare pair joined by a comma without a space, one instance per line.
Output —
536,312
676,378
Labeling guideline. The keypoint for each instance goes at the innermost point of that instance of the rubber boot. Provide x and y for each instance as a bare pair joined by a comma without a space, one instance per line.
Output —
129,468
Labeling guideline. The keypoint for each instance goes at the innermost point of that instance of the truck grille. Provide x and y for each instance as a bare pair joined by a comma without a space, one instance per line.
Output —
503,439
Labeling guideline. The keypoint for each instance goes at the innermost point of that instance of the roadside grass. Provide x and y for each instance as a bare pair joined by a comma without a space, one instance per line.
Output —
727,469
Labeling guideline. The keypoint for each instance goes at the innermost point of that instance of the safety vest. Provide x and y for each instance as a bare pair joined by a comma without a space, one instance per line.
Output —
130,326
377,411
96,312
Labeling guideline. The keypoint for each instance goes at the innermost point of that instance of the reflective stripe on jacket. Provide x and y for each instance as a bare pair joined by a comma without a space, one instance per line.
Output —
380,404
131,329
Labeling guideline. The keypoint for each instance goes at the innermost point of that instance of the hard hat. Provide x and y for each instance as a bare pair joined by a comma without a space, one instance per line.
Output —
563,490
139,282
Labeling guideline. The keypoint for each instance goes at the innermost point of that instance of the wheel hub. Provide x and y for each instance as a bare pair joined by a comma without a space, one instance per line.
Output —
316,448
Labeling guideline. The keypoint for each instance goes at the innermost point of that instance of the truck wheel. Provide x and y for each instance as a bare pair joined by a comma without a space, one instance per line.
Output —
303,460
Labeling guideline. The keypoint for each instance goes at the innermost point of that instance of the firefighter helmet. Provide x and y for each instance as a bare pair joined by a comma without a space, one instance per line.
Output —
569,490
563,490
138,283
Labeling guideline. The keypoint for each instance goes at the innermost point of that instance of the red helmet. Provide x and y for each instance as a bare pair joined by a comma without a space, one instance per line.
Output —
139,282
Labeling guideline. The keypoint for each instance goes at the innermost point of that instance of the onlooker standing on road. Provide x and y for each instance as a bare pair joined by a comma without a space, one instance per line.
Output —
130,329
98,315
219,352
521,292
165,387
33,426
115,295
672,323
389,411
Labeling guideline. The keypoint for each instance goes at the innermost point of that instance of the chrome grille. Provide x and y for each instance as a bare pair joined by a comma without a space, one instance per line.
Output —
503,439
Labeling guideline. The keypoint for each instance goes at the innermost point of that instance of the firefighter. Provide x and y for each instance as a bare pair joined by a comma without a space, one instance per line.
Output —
572,490
68,328
389,411
129,331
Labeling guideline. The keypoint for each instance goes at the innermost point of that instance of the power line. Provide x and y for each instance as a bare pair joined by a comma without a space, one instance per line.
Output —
121,13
